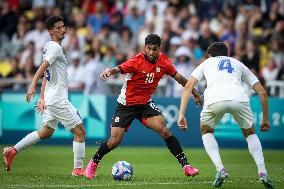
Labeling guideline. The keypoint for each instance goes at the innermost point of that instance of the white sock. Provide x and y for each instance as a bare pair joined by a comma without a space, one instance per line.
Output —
79,154
27,141
212,150
255,150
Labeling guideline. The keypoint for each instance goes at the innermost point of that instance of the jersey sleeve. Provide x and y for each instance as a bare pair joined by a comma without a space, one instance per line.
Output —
129,66
248,76
171,70
198,72
50,52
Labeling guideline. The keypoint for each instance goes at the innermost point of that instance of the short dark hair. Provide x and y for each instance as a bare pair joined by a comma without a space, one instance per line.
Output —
153,39
217,49
52,20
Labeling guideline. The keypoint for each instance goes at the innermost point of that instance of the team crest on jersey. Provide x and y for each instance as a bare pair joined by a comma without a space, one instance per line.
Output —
158,69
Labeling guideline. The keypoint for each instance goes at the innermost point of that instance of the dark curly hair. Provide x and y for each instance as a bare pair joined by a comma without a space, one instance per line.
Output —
153,39
52,20
217,49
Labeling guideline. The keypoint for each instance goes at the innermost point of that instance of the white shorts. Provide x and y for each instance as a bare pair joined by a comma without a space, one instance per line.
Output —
241,112
63,112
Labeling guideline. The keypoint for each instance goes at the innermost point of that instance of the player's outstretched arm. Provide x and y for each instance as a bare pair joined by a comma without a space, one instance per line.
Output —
32,89
259,89
182,80
184,101
109,72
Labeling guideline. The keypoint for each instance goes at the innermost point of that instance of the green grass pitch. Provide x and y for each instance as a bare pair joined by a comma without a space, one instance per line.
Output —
155,168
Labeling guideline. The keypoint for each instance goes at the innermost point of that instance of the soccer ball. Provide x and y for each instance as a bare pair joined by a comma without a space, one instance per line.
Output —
122,170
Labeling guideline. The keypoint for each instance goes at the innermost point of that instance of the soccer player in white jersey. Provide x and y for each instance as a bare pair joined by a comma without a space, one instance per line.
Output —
224,94
53,100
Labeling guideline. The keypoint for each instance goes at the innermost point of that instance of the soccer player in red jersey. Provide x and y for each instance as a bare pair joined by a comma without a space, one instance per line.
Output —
143,73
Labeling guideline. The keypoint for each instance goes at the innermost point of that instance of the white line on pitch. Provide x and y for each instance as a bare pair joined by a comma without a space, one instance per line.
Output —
121,184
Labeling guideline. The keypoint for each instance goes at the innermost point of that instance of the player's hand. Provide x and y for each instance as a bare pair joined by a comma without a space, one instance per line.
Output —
198,100
265,126
31,93
40,106
105,74
182,123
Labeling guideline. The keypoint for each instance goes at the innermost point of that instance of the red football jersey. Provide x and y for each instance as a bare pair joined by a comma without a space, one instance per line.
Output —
142,78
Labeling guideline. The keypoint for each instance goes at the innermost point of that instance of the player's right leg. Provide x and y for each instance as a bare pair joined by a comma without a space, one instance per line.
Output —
48,127
116,137
121,121
29,140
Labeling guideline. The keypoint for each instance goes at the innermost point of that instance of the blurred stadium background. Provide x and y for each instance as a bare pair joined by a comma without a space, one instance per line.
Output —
104,33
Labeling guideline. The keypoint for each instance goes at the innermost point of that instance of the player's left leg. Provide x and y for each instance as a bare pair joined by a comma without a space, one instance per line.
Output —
69,116
79,150
255,150
48,127
211,146
244,117
157,123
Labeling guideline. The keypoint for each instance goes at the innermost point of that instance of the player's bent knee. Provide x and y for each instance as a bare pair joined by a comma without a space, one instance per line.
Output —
82,132
113,142
45,135
165,133
206,129
249,131
79,133
45,132
79,137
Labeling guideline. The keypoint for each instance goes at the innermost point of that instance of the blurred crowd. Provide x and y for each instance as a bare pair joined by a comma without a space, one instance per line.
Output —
105,33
